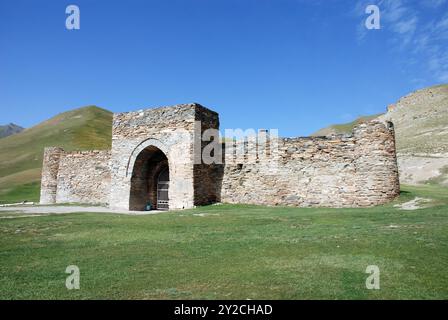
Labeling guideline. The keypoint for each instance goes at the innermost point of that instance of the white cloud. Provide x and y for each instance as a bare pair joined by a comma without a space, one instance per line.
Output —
395,16
432,3
393,10
399,18
431,42
423,41
407,26
441,27
438,64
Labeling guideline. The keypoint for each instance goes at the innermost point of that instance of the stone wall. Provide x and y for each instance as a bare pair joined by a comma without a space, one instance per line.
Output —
84,177
357,170
49,180
206,177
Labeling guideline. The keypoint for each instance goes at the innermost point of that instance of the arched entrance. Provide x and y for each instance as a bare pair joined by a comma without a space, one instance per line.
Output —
150,180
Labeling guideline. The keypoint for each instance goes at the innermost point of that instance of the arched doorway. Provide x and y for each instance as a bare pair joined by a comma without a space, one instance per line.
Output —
150,181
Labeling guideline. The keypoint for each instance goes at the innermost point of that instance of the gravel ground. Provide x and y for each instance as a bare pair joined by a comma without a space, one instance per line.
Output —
416,203
418,169
36,210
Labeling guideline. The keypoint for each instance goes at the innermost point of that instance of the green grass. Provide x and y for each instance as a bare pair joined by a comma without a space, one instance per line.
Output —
21,154
24,192
232,252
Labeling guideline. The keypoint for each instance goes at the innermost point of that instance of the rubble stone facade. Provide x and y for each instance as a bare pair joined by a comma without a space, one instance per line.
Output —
356,170
75,177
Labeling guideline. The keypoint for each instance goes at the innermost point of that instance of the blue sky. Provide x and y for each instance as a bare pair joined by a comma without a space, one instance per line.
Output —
295,65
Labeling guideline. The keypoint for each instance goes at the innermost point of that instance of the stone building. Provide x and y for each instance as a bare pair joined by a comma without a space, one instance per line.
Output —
156,161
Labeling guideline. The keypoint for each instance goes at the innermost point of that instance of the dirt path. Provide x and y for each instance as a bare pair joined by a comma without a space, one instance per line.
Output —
39,210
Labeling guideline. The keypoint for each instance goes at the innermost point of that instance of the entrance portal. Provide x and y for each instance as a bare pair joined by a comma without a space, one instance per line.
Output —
163,183
150,181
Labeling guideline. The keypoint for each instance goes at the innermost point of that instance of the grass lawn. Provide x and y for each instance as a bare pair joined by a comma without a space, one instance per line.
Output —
24,192
232,252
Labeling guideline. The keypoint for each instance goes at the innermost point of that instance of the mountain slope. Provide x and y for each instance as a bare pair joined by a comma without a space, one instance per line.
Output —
421,121
345,127
421,132
21,154
421,127
9,129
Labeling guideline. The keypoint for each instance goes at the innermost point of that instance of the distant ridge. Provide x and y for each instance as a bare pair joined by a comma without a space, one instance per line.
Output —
9,130
21,154
345,127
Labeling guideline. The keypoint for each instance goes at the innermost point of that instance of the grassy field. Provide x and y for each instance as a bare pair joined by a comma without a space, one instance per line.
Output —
29,192
232,252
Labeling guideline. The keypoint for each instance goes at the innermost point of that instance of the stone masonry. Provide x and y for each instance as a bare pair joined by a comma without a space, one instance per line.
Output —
356,170
75,177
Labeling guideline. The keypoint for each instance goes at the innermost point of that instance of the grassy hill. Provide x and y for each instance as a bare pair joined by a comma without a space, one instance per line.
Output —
421,131
21,154
345,127
421,121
